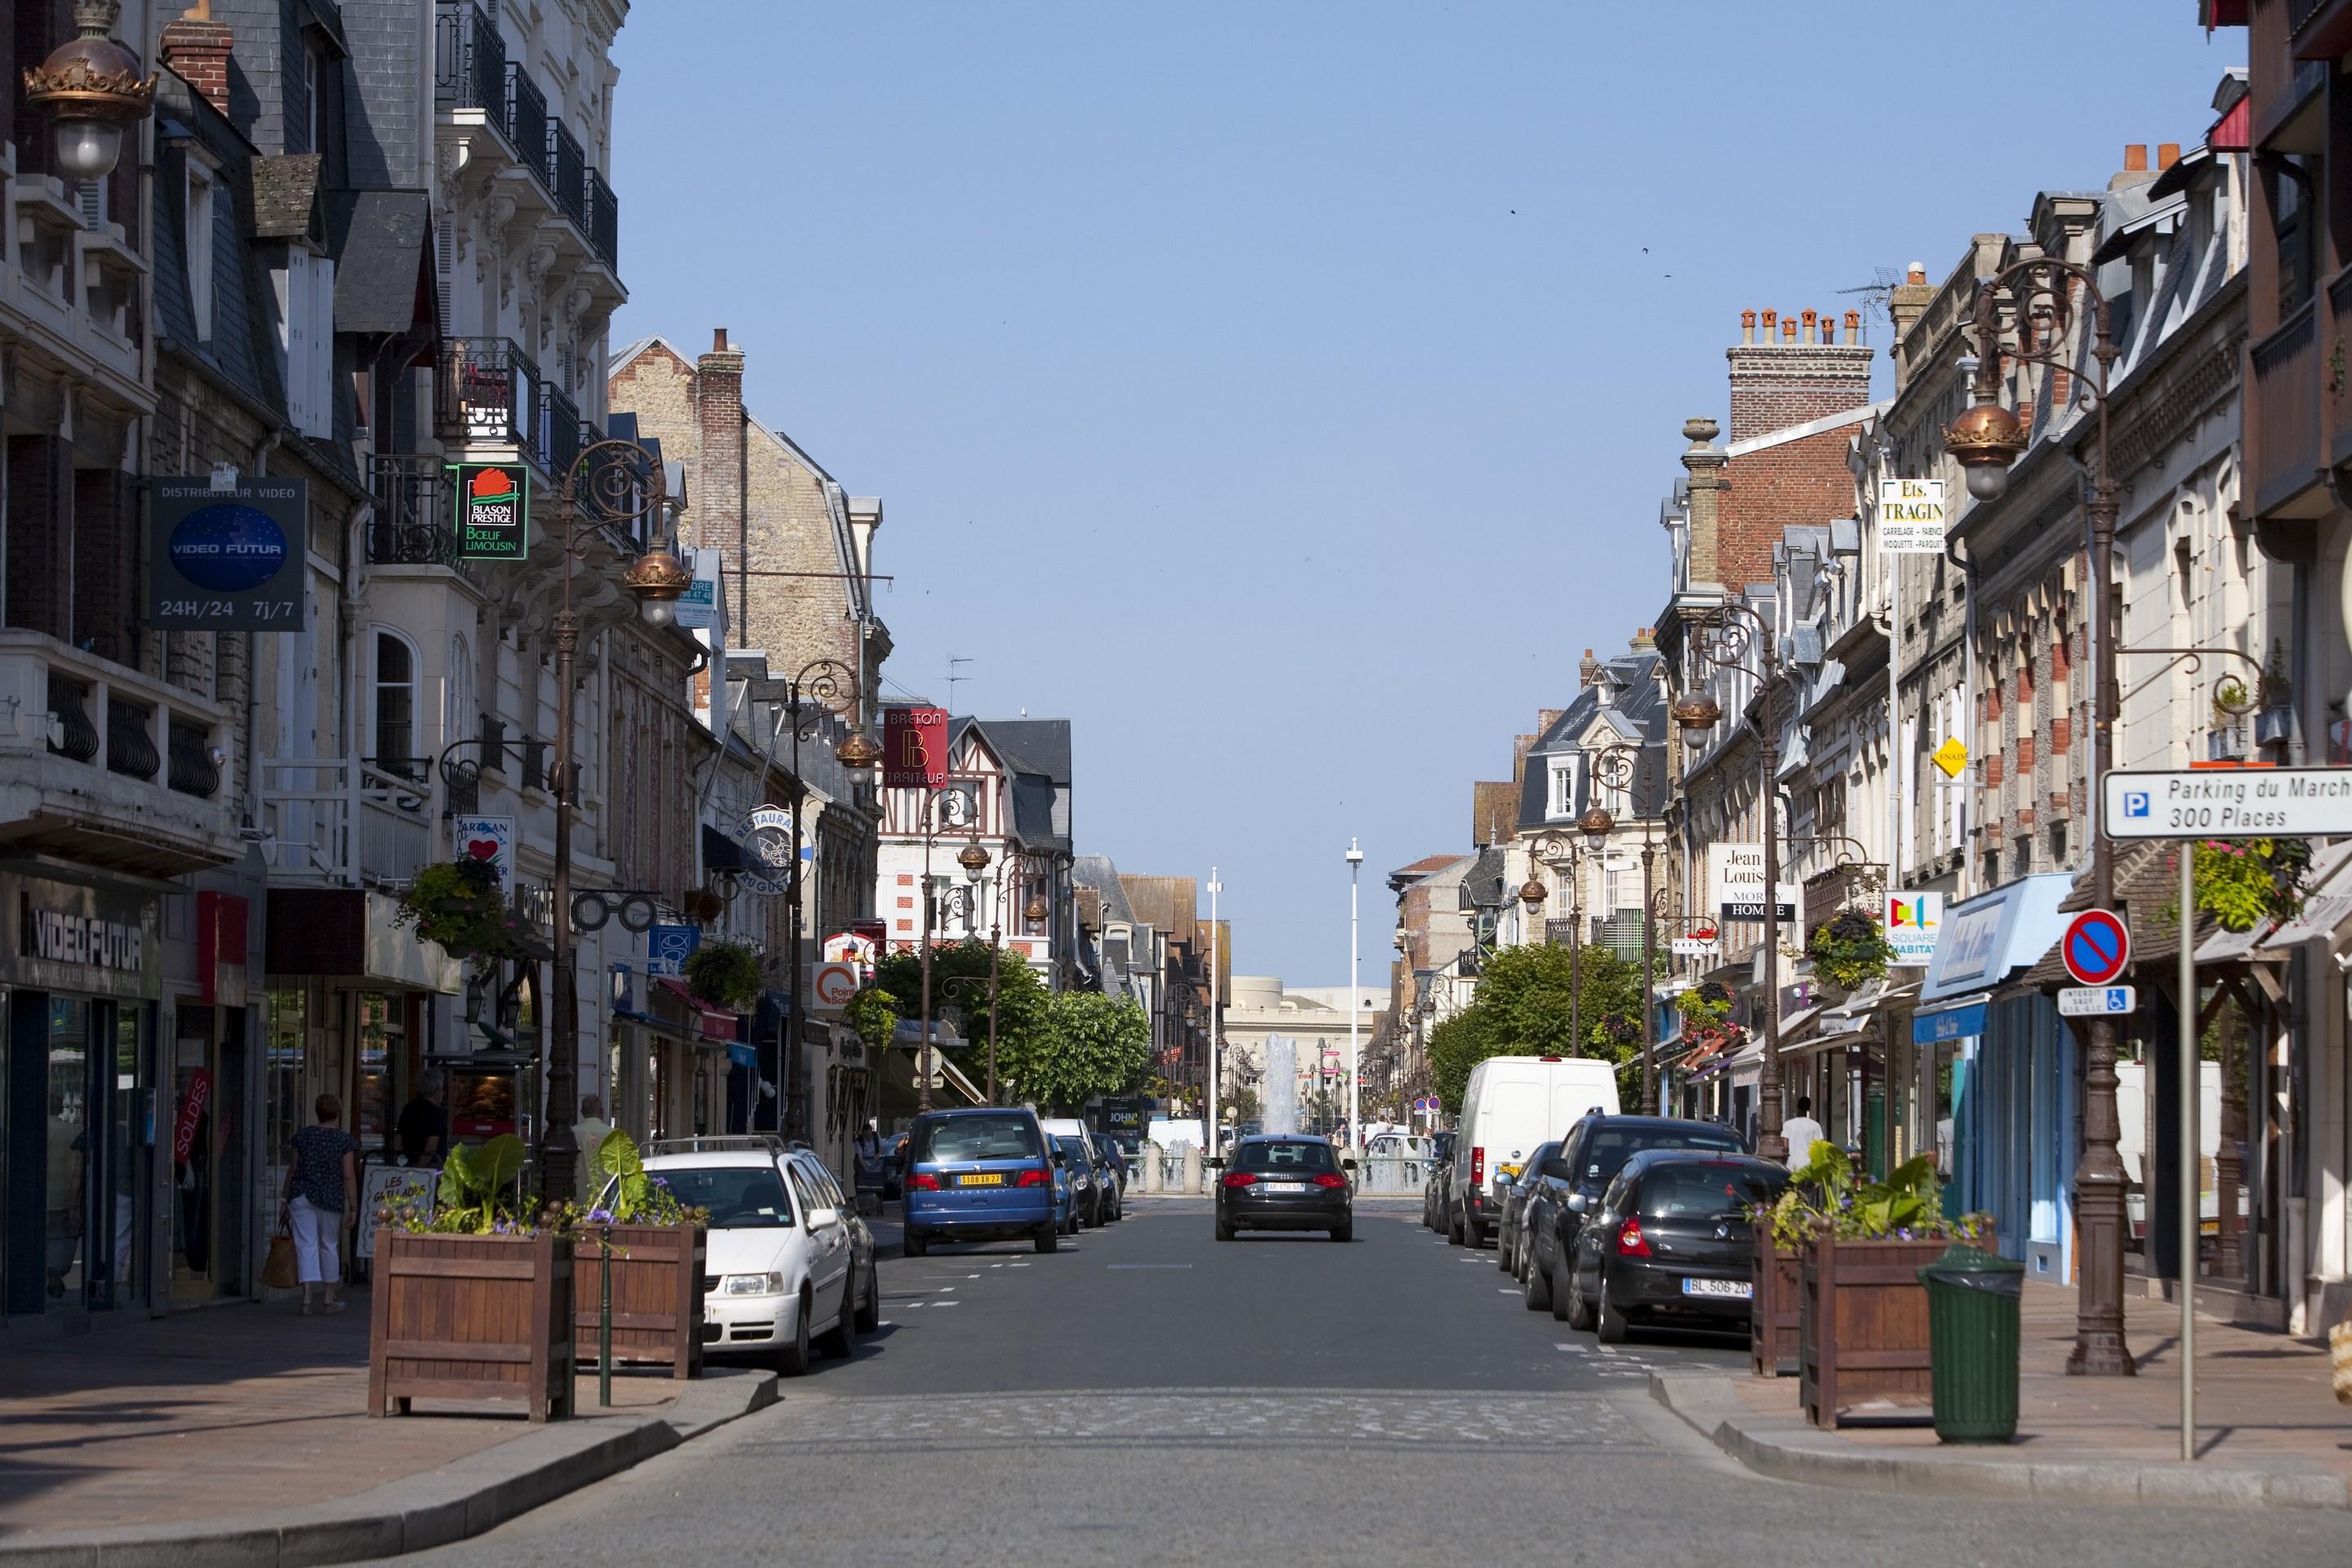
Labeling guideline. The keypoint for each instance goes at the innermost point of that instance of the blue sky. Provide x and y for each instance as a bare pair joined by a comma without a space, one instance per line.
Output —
1284,392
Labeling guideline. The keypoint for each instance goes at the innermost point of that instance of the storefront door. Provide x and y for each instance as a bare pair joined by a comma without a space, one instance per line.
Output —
73,1097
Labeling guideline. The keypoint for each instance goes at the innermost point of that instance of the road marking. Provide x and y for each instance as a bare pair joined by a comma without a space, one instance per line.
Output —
1505,1290
947,1303
1573,1349
1605,1350
1147,1265
971,1276
1018,1265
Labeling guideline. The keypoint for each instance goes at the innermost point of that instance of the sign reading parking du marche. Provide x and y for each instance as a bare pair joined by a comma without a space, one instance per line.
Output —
2229,803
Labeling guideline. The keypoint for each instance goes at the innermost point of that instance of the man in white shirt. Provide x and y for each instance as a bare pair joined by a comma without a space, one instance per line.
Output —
1802,1133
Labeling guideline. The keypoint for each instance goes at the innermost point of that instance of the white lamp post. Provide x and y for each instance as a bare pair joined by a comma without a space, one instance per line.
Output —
1215,1128
1355,1132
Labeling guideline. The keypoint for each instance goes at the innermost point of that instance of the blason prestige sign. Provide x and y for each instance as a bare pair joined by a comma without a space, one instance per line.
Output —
226,556
493,511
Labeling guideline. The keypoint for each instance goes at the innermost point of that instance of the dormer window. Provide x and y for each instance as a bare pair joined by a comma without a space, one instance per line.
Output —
199,205
1559,800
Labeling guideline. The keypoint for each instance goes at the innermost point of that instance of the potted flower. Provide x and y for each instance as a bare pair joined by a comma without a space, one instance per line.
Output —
724,973
1705,1008
2274,701
1848,951
2244,882
873,1015
1862,1329
461,906
648,1248
473,1295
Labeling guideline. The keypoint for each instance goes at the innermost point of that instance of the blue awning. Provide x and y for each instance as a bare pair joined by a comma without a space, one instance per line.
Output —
743,1055
1989,937
1956,1021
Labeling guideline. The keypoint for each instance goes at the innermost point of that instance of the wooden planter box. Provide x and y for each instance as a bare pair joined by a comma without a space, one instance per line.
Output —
656,1297
1862,1326
471,1317
1776,1310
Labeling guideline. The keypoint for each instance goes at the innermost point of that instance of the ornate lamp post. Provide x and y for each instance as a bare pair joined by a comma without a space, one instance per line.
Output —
2043,297
92,86
1724,638
1618,767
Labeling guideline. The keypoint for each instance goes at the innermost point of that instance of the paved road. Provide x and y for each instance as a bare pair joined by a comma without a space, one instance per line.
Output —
1148,1395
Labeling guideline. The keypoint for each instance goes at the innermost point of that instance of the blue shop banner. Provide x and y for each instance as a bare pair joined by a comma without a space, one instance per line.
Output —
1952,1023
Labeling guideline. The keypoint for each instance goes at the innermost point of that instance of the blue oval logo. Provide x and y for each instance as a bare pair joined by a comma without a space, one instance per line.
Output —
230,548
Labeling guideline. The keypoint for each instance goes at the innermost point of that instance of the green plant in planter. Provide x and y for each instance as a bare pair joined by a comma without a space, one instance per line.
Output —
1906,1206
1707,1005
2231,699
630,1194
2243,883
873,1013
2275,690
460,906
726,974
1848,949
475,1178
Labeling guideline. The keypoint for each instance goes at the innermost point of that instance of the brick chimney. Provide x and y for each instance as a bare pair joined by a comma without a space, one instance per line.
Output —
718,511
1796,377
197,48
1706,463
1905,303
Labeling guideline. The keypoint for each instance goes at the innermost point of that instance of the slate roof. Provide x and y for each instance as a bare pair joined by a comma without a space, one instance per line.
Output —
237,350
1033,745
1098,872
382,241
1638,709
285,197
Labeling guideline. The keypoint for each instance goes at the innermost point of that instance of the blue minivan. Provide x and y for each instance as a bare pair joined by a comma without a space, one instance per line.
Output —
982,1175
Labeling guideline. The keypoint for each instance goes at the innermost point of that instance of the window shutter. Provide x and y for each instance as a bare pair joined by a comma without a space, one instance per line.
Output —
322,348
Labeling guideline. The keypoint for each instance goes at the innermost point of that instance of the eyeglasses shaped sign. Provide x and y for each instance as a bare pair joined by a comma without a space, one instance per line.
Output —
226,556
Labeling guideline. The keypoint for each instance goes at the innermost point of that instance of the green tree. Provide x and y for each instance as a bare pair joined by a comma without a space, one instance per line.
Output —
1521,1008
1021,999
1092,1045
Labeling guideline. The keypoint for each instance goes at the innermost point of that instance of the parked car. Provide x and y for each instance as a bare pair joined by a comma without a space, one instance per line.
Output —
1670,1243
1111,1178
1563,1189
789,1266
1512,1187
1085,1193
1510,1105
1285,1182
1436,1200
982,1174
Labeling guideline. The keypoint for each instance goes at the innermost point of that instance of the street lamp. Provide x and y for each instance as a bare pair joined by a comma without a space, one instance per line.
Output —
933,825
91,84
1985,440
1355,1012
1561,853
1619,769
1724,637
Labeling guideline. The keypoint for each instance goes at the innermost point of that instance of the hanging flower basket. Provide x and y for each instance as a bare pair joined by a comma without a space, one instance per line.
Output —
2243,883
461,907
1705,1008
724,973
1848,951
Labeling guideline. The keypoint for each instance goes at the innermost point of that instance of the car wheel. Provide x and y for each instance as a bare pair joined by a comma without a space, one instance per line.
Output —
1611,1326
1503,1256
916,1244
869,1312
1224,1231
1571,1306
792,1361
840,1340
1344,1232
1539,1290
1048,1239
1453,1229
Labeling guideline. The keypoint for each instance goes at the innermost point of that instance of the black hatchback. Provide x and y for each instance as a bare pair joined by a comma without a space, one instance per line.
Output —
1562,1189
1285,1183
1671,1243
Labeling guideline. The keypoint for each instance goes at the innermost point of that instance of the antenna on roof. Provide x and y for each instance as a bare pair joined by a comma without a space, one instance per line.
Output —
953,678
1875,295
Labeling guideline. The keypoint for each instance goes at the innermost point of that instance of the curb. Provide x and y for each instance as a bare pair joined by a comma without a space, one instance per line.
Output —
1706,1403
415,1512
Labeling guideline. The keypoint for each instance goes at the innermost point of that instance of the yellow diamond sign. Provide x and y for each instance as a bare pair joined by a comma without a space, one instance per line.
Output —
1951,756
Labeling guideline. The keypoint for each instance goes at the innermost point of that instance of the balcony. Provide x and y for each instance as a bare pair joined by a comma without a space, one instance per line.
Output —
2283,418
526,120
469,61
567,174
412,524
346,822
489,394
604,220
102,764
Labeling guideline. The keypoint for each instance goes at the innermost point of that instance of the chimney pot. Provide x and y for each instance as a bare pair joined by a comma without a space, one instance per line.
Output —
1916,273
1771,320
718,339
2168,153
2136,158
1788,328
1747,326
1852,325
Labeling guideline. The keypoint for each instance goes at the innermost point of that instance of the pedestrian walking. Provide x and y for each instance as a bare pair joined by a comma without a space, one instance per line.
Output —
869,1158
1802,1133
424,1126
321,1187
587,1133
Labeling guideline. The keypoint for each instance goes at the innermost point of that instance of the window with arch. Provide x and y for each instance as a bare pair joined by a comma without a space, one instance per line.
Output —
458,692
394,725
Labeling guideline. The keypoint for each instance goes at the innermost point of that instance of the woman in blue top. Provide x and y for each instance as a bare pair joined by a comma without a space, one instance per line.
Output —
321,1187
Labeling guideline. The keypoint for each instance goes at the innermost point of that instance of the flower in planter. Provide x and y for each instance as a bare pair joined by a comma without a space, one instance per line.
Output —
1704,1006
1849,950
1907,1205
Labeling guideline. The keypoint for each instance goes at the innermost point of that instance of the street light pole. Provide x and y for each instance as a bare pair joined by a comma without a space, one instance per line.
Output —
1216,1059
1355,863
1985,440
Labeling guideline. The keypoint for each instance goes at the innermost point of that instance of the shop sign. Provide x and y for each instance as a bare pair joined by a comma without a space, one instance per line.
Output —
1911,923
1911,517
768,845
835,984
852,947
535,901
697,607
668,947
1951,756
914,748
225,554
489,838
492,521
221,937
194,1100
73,938
389,1187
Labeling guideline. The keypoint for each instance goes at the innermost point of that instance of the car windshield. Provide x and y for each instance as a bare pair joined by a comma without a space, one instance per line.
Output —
740,1197
1072,1147
1705,1192
1285,1156
956,1138
1606,1152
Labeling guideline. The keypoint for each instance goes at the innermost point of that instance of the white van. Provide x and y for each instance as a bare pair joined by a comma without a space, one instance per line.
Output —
1512,1104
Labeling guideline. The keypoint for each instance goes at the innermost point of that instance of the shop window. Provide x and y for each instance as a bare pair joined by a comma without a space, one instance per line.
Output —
194,1085
396,705
66,1254
457,691
381,1041
127,1160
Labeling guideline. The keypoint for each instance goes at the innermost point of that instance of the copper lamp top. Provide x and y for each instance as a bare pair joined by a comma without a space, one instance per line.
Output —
1533,894
1697,712
1596,822
1036,910
858,750
91,77
973,858
656,574
1986,433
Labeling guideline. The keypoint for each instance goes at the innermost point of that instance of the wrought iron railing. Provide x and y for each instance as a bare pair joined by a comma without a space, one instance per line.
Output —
193,769
604,220
567,172
411,525
525,117
130,742
489,391
559,434
469,61
76,738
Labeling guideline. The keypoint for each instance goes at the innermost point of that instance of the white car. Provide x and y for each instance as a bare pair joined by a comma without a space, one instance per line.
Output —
789,1264
1510,1105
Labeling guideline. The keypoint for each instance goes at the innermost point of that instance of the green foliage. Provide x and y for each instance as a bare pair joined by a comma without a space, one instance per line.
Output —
2242,884
1092,1045
1707,1005
1908,1205
478,1186
725,974
1021,999
2276,690
459,905
874,1016
626,1192
1522,1007
1848,951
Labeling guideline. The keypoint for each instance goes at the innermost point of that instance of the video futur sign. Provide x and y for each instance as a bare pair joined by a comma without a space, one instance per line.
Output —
226,555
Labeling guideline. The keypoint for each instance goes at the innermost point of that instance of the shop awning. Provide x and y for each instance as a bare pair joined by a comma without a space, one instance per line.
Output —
1957,1019
1988,937
709,1022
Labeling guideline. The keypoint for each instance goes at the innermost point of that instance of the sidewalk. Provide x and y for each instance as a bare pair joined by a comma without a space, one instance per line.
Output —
223,1424
2270,1432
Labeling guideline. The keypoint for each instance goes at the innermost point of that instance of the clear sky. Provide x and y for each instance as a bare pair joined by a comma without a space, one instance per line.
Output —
1284,393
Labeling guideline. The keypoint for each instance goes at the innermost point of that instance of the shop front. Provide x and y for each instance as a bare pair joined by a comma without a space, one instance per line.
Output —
672,1058
85,1098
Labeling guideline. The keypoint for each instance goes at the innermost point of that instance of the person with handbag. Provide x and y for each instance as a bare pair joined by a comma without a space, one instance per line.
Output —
321,1187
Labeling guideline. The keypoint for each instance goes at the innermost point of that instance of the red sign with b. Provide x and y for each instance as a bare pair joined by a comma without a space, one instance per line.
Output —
914,748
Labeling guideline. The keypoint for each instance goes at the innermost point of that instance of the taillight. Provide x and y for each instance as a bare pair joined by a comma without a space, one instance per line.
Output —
1330,1179
1630,1243
1477,1166
1240,1178
922,1182
1034,1177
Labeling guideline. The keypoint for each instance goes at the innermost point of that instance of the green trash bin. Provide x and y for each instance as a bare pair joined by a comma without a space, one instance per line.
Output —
1972,1305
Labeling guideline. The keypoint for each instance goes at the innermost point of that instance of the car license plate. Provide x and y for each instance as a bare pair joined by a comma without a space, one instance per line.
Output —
1739,1289
982,1179
1285,1187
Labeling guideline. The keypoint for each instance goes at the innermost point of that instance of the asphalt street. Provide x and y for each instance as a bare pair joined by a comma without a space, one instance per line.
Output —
1148,1394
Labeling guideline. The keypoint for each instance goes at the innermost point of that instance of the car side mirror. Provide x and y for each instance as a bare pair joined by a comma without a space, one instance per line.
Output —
1576,1202
1347,1165
823,1219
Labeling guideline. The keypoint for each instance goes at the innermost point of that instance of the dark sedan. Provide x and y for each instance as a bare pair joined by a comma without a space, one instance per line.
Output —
1285,1183
1670,1244
1510,1235
1562,1189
